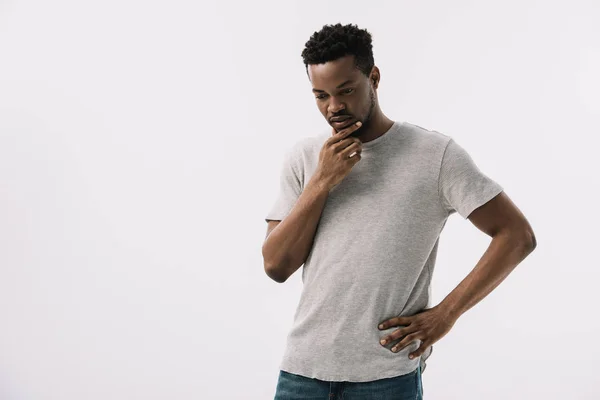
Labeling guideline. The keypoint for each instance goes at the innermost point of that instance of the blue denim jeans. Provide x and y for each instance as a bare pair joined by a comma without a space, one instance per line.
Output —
297,387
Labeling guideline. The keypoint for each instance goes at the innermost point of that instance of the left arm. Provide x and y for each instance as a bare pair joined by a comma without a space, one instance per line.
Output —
512,240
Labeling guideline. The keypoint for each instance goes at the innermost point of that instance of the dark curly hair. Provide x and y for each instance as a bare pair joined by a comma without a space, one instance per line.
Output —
336,41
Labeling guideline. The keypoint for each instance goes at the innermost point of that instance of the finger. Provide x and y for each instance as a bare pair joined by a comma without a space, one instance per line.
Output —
406,341
397,334
395,322
352,148
356,153
342,144
336,136
418,352
349,129
355,157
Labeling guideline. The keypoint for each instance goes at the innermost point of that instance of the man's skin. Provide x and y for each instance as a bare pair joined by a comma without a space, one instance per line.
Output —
341,89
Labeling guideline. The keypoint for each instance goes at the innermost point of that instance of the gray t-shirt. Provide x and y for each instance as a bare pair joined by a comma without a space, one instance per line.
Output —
374,249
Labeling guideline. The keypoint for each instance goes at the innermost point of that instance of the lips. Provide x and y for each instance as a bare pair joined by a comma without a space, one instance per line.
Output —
341,122
340,119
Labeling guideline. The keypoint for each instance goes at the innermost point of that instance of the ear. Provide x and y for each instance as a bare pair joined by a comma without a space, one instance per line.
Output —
374,82
375,77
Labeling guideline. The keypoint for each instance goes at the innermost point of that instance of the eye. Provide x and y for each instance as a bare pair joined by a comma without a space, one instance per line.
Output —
348,91
320,96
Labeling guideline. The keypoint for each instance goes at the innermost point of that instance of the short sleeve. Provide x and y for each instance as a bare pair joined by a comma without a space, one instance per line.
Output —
290,187
462,186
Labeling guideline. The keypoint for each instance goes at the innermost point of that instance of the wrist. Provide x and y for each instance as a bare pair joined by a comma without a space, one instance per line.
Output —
450,309
320,183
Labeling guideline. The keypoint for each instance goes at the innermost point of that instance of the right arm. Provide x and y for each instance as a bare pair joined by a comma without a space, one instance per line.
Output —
289,241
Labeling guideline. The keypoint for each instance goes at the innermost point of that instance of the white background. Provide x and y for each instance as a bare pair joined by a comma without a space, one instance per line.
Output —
140,148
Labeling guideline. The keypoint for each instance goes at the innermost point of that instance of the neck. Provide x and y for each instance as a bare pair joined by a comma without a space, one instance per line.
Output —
378,125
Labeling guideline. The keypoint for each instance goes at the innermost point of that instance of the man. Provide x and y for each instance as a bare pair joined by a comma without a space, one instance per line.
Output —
362,208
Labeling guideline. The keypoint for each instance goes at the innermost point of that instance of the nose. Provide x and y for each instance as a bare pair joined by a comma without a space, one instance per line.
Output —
335,106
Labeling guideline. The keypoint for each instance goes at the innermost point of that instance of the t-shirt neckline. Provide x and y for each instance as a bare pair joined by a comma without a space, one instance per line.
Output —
383,138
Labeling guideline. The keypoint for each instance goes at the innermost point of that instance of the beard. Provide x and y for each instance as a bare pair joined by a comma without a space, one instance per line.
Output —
366,122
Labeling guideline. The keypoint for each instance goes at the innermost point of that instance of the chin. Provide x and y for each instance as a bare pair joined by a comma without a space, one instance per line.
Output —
357,132
352,121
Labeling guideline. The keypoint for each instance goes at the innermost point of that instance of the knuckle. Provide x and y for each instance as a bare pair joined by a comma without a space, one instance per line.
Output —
409,338
398,334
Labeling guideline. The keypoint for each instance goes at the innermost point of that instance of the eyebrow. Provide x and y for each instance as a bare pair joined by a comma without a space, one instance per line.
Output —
338,86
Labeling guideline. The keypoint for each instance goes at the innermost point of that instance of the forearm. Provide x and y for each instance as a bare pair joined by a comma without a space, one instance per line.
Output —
287,246
504,253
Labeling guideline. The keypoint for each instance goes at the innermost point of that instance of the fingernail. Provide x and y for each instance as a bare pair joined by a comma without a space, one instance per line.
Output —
381,326
382,341
411,356
358,123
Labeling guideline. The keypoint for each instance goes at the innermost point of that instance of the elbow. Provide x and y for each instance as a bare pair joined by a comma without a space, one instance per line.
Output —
531,240
275,274
520,240
274,270
527,241
523,236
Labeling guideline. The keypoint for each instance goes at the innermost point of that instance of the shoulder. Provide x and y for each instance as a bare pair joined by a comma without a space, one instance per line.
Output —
307,147
304,152
426,135
309,144
427,141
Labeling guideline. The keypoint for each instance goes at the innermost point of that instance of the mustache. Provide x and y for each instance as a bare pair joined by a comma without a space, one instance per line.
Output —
339,115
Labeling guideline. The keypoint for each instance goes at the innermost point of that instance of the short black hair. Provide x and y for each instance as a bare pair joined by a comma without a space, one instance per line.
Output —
336,41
